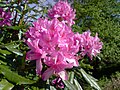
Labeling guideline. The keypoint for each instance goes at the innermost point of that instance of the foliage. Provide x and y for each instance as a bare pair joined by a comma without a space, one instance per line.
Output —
112,83
101,16
18,73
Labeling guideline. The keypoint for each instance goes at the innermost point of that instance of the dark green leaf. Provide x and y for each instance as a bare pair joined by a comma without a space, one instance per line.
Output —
5,85
1,62
11,45
71,77
66,88
36,88
77,85
16,27
4,52
14,77
2,56
33,1
1,18
18,8
13,49
52,88
2,4
69,85
90,80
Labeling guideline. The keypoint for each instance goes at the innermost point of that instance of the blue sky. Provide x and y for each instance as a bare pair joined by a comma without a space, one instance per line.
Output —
38,7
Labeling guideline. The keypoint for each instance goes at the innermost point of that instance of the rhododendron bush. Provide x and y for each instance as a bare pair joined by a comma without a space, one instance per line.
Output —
47,54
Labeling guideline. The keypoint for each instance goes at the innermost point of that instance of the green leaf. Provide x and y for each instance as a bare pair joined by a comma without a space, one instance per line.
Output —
33,1
87,66
2,56
11,45
3,4
20,34
35,88
18,8
1,18
5,85
69,85
71,77
13,49
1,62
66,88
77,85
90,79
52,88
1,39
14,77
16,27
4,52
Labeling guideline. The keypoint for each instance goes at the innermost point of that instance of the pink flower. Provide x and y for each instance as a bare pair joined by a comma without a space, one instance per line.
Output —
4,17
58,82
63,12
35,53
90,45
58,68
52,43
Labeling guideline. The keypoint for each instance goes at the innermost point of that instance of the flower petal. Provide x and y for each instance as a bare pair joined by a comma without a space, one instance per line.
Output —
63,75
38,66
47,73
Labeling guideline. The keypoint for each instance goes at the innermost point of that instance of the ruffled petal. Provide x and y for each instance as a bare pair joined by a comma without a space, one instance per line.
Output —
63,75
32,55
47,73
38,66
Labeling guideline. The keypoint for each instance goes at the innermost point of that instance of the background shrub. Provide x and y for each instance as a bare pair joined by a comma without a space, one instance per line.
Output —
102,16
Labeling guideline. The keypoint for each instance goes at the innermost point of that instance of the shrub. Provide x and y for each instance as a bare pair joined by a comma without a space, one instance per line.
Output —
102,17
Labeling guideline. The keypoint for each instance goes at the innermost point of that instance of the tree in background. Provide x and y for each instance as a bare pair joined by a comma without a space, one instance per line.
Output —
102,16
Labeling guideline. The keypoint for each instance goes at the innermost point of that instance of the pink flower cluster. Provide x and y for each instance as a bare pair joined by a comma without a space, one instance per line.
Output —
54,45
89,45
62,11
4,17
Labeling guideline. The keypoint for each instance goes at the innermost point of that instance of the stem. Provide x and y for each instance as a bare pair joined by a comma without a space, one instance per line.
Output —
15,18
22,16
16,12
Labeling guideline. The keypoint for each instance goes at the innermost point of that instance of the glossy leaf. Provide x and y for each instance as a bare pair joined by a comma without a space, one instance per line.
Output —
71,77
5,85
77,85
1,62
90,80
14,77
69,85
2,56
16,27
11,45
13,49
52,88
4,52
20,34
